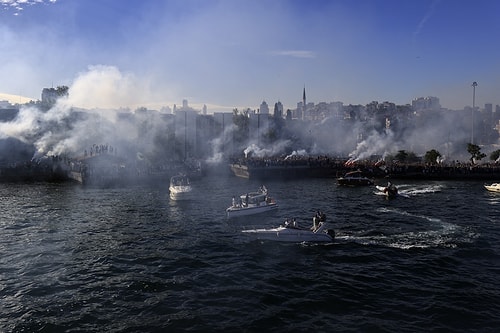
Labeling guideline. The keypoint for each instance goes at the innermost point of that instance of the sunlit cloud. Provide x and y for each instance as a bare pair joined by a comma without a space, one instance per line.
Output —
294,53
19,5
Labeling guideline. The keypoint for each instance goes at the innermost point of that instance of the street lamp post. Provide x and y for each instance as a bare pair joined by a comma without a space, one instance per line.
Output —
474,85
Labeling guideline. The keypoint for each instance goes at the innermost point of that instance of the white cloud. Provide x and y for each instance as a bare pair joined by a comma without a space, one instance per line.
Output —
19,5
295,53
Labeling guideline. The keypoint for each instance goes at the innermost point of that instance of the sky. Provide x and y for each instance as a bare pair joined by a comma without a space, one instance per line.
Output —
230,54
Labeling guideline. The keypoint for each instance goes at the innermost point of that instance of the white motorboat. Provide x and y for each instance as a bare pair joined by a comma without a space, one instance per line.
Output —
495,187
180,187
354,178
290,232
252,203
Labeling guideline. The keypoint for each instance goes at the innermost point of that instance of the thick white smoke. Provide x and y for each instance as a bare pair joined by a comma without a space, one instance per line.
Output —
67,129
275,149
375,144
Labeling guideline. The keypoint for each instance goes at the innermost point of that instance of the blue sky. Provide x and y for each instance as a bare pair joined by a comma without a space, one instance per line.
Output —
236,53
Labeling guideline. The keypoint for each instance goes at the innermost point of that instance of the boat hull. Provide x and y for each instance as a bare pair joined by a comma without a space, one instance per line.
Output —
354,181
291,235
246,211
181,196
493,187
180,192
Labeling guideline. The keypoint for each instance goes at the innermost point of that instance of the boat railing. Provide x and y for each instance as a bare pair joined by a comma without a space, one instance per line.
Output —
320,228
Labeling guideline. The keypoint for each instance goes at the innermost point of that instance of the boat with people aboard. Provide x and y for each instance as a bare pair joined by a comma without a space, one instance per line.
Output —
495,187
354,178
390,191
180,187
290,231
252,203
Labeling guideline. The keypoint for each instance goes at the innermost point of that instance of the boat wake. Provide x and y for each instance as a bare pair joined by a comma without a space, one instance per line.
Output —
493,199
416,232
413,190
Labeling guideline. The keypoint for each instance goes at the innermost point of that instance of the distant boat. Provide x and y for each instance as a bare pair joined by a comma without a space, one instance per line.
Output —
495,187
252,203
354,178
180,187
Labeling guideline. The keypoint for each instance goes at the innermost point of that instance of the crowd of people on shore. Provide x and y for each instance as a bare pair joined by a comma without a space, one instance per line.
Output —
99,149
374,168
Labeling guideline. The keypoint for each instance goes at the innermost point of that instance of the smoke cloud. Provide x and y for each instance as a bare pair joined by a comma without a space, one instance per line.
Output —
65,129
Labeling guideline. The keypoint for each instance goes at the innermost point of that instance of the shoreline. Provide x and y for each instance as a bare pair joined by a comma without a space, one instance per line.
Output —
335,168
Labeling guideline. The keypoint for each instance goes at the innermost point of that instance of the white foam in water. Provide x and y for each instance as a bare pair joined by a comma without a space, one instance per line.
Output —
413,190
442,234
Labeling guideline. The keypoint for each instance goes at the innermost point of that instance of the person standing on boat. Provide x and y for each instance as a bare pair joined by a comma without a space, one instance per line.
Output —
315,221
318,219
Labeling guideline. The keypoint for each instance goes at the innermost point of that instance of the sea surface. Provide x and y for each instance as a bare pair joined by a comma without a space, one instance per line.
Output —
130,259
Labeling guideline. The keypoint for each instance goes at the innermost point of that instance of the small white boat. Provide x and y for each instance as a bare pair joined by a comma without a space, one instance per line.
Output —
293,233
495,187
180,187
251,203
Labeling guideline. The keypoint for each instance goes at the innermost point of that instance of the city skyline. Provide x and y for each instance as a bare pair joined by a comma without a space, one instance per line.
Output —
236,54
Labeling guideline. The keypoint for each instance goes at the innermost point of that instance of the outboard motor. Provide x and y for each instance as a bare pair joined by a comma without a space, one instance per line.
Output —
331,233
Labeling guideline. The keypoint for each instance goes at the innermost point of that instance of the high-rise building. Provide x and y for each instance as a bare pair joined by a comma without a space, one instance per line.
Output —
278,110
264,108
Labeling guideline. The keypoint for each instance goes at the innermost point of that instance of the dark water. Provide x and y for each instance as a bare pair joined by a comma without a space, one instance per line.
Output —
131,260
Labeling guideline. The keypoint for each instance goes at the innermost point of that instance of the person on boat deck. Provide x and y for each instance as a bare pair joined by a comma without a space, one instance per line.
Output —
234,201
291,223
322,216
246,200
317,219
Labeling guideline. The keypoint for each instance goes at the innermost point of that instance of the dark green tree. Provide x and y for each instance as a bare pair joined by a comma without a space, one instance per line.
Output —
495,155
431,156
475,152
62,91
401,156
